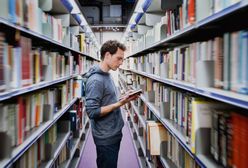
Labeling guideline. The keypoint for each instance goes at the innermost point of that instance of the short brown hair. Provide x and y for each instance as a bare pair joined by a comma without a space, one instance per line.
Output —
111,46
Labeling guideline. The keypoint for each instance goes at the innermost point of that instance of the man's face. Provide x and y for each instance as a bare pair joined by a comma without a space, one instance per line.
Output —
115,61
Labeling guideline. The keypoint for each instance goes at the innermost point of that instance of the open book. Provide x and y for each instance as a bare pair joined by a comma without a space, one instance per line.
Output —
135,92
139,91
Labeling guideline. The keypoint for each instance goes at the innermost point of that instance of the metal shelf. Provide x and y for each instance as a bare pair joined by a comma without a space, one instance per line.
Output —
35,35
221,14
75,161
19,150
75,145
16,92
143,159
60,143
141,119
141,142
167,163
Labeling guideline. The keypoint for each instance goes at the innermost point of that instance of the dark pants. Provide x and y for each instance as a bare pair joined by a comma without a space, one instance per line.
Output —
107,155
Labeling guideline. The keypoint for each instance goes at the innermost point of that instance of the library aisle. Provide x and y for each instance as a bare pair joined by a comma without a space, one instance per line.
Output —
189,58
127,155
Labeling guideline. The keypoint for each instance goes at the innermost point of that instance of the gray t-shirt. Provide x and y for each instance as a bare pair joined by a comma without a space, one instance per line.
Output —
101,91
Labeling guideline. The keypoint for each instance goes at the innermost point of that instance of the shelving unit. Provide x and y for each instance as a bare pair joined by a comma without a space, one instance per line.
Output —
75,63
143,45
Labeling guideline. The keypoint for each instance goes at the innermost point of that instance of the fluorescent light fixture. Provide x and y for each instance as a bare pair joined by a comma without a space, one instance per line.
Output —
84,22
138,7
67,5
75,8
132,19
88,29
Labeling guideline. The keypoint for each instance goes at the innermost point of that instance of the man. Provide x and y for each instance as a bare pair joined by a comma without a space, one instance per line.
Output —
103,105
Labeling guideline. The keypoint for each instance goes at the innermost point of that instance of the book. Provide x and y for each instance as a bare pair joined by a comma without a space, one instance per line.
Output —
135,92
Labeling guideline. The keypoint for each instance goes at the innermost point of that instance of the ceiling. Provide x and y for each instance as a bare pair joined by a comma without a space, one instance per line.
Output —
107,15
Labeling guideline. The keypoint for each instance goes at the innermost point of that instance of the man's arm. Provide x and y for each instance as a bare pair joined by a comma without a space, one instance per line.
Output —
109,108
94,94
93,98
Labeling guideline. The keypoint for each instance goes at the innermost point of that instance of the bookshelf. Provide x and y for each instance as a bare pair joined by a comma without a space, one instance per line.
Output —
172,37
44,49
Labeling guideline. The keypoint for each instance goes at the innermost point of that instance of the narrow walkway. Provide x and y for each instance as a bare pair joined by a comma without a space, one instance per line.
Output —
127,154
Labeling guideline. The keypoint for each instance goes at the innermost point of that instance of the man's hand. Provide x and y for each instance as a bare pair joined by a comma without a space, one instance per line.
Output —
126,98
125,94
123,100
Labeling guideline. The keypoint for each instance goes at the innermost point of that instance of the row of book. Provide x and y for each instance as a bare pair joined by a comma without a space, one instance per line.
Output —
209,127
177,17
86,45
77,116
44,148
19,120
77,120
161,142
220,62
22,66
63,156
29,14
25,113
35,16
191,11
21,115
228,145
